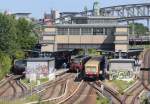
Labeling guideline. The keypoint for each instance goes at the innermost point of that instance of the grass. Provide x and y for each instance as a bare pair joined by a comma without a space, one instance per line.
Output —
12,102
47,103
36,97
27,82
121,85
42,80
33,97
102,100
93,52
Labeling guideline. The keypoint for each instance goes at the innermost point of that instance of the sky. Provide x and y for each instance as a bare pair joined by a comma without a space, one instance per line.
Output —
39,7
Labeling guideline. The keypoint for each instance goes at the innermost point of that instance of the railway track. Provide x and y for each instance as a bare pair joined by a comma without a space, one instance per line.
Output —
70,89
80,96
12,88
46,85
146,59
73,96
108,92
23,88
131,94
144,73
138,91
58,87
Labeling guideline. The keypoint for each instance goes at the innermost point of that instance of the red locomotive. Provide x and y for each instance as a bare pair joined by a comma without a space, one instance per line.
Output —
77,63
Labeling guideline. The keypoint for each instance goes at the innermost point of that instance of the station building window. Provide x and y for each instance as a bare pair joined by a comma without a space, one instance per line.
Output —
81,21
86,31
109,31
74,31
98,31
62,31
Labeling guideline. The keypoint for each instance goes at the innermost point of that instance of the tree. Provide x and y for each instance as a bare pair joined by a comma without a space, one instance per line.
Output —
8,34
15,37
139,29
5,64
26,37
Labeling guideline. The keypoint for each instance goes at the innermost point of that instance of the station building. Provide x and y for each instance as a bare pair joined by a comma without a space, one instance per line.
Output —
84,32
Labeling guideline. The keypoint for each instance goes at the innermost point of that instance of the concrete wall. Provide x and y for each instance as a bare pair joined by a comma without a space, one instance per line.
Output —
121,70
84,39
122,47
44,69
121,38
77,41
47,48
48,37
120,30
61,39
49,29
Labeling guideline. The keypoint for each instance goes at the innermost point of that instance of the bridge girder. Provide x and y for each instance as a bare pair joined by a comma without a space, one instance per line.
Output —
123,12
128,11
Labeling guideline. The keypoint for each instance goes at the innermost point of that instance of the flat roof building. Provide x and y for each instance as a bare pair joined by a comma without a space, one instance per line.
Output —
84,31
39,67
122,69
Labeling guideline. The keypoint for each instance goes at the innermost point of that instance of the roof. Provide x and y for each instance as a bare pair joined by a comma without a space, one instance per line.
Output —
95,17
122,60
40,59
21,13
90,25
93,62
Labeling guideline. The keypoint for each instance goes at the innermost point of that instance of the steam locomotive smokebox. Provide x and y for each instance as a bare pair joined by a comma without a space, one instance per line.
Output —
41,67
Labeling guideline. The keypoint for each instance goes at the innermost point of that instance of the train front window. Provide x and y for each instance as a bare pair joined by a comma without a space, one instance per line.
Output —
91,69
77,61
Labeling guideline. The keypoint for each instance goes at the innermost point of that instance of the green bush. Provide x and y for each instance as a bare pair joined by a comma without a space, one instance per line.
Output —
5,64
100,100
19,54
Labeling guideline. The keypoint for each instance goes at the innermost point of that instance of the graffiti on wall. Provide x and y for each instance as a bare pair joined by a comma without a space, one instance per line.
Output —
114,74
40,68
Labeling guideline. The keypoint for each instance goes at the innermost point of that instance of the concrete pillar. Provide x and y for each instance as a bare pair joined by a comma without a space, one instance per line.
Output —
148,30
104,31
68,38
92,31
133,28
80,36
128,23
148,76
148,25
80,32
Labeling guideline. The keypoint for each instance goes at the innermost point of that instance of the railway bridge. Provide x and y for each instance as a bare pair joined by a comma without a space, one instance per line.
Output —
128,13
139,40
85,30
